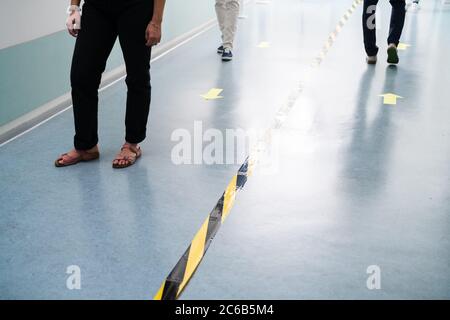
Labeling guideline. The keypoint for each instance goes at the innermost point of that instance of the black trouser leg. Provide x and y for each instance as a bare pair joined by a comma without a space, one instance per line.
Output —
369,27
132,25
93,46
397,21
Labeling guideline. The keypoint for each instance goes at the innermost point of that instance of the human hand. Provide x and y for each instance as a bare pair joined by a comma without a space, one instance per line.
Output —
153,34
73,23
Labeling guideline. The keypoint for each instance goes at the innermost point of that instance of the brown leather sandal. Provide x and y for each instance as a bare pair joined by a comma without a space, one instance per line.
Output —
129,161
83,156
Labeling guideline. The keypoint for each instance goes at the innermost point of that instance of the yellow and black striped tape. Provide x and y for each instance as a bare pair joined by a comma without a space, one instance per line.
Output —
183,271
333,35
186,266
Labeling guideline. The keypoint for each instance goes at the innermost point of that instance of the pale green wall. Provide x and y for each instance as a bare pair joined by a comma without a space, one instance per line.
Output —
37,71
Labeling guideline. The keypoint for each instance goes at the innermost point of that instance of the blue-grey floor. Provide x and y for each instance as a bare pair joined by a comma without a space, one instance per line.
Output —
358,183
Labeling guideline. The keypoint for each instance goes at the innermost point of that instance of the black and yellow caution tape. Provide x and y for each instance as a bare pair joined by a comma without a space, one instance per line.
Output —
186,266
285,109
333,35
183,271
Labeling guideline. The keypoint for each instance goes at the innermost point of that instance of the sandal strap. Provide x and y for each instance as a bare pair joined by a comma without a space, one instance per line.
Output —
71,158
80,155
65,158
124,158
133,150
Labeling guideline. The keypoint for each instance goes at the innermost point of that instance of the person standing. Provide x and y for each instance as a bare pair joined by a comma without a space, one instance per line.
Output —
395,31
227,14
137,24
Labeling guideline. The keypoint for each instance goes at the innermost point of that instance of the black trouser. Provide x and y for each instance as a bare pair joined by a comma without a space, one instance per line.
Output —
101,22
396,26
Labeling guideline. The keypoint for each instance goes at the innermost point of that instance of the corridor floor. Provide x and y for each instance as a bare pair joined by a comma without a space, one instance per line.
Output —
358,182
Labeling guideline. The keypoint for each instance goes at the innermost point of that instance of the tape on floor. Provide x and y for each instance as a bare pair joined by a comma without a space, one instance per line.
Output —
186,266
177,280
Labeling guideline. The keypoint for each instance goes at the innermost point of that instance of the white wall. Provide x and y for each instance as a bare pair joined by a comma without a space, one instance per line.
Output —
24,20
35,72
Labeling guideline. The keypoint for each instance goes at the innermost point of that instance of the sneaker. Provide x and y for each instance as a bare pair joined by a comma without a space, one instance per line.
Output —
392,54
220,50
413,6
371,59
227,55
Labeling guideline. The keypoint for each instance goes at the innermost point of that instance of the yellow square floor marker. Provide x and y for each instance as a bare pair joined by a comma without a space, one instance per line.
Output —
213,94
403,46
264,45
390,98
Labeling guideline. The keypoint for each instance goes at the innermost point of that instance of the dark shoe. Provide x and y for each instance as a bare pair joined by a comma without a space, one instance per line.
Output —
392,54
227,55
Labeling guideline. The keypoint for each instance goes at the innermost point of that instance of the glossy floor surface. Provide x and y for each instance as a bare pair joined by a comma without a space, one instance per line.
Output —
357,182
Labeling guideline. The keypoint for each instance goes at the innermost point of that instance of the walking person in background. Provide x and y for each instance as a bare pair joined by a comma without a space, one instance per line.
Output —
415,4
137,23
395,30
227,14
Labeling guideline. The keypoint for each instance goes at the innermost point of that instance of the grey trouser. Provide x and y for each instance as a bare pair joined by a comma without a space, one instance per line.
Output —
227,15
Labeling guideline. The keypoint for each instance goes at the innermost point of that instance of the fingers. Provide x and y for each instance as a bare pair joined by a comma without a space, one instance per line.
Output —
73,33
152,36
148,38
77,21
73,24
152,41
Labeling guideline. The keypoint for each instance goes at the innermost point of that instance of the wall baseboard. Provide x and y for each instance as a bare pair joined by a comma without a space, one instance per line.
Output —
40,115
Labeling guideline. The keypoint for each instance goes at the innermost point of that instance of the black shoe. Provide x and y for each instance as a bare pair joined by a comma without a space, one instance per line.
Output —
392,54
227,55
220,50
